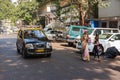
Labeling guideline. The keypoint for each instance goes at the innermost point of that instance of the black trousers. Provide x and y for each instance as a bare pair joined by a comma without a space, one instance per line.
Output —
95,51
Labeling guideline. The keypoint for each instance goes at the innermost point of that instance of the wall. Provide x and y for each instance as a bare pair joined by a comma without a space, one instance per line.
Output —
112,10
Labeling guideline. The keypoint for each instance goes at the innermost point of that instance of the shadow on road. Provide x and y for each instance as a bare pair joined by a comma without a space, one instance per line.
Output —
64,64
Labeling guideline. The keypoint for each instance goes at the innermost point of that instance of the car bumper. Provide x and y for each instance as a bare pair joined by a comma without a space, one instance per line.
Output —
78,45
38,51
69,40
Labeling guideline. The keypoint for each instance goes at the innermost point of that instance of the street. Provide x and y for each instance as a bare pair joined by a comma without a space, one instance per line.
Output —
64,64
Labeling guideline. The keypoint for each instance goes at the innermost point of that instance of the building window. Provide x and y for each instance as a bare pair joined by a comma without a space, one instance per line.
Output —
104,24
113,24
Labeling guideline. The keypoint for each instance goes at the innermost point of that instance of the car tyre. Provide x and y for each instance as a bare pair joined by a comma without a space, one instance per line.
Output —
70,44
49,55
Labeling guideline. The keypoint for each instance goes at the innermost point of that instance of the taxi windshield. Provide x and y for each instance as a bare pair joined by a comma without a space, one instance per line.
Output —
33,34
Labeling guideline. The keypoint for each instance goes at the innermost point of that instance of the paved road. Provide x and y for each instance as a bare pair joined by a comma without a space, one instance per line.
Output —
64,64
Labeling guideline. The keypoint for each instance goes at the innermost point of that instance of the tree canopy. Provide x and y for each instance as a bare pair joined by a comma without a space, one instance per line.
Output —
5,9
26,11
85,8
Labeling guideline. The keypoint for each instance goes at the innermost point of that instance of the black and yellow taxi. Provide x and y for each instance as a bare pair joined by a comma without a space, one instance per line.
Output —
33,41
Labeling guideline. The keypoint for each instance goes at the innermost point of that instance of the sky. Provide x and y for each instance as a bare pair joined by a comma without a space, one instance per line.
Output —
13,0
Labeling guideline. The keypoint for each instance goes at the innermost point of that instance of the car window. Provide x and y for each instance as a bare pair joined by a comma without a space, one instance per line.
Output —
116,37
33,34
83,30
106,31
115,31
90,31
48,32
97,31
59,32
104,36
76,29
38,33
53,32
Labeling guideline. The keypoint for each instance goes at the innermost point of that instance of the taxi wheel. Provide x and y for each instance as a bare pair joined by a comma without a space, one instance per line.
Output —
24,53
49,55
70,44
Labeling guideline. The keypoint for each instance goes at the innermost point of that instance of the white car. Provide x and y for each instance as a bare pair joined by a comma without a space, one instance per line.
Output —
51,34
110,40
107,40
93,31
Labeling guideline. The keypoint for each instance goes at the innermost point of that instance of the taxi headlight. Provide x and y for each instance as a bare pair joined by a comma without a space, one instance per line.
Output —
48,45
29,46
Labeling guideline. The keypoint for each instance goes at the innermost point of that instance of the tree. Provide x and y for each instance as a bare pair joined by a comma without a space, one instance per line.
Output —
85,7
6,7
26,11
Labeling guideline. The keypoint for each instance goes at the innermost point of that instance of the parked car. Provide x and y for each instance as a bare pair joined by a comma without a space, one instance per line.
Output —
73,32
110,40
93,31
33,41
107,40
54,35
51,34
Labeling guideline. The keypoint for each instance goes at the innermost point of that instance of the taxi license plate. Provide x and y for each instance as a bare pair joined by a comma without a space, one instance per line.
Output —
38,51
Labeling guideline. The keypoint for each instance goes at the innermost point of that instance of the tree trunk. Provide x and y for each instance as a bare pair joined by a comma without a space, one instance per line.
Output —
82,18
83,12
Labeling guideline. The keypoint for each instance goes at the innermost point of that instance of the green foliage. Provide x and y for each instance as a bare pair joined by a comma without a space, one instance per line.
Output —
27,11
42,2
5,9
57,5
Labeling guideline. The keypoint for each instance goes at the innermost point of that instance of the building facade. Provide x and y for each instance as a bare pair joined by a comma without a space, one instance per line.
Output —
110,16
106,17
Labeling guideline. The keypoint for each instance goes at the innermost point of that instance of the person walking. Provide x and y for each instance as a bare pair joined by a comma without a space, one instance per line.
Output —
85,39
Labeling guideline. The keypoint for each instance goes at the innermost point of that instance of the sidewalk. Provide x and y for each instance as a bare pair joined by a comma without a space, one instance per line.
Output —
4,35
